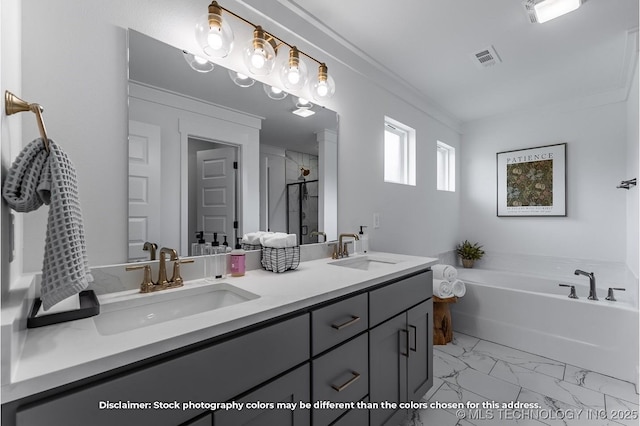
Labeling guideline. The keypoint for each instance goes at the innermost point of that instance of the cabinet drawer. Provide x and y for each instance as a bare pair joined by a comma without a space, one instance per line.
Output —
337,322
341,375
392,299
215,373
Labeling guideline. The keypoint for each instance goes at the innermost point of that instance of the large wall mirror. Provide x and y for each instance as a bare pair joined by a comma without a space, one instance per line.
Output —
207,153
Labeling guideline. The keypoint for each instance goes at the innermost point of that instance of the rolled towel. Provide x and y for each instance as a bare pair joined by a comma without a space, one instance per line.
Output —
442,289
458,288
444,272
253,238
279,240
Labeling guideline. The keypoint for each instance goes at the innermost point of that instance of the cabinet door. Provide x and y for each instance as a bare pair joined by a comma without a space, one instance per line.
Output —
388,350
291,388
420,360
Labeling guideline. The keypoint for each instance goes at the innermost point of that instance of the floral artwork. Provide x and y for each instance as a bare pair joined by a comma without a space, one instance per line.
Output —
531,182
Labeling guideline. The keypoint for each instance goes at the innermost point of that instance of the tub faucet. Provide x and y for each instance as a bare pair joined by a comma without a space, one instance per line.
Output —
592,283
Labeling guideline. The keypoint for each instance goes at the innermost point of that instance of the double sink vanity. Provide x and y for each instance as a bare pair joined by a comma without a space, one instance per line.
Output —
341,336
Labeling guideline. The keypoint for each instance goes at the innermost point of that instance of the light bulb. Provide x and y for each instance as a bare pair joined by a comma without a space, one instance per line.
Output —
214,39
258,59
322,89
200,59
294,76
275,93
198,63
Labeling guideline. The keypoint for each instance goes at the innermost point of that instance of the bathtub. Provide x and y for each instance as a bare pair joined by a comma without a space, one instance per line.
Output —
535,315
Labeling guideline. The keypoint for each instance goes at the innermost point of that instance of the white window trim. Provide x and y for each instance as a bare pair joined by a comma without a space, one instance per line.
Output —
447,169
408,160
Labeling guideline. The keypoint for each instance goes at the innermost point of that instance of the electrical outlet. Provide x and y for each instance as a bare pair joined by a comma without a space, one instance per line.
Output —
376,220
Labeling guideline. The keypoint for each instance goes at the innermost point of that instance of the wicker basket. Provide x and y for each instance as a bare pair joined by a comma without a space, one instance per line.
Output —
246,246
280,259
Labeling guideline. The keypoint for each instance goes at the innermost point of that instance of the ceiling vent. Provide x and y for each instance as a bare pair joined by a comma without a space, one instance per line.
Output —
487,57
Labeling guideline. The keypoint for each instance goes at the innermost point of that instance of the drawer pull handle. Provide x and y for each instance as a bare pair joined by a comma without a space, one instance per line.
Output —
415,339
348,383
354,319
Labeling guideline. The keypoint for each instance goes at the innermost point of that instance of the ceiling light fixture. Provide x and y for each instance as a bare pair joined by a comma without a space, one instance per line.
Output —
541,11
215,36
198,63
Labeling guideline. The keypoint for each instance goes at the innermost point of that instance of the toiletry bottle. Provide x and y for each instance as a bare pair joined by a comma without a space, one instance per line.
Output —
219,269
238,260
364,239
198,248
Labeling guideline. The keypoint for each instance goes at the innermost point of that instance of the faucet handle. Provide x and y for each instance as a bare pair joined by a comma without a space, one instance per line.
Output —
572,292
146,286
176,279
610,295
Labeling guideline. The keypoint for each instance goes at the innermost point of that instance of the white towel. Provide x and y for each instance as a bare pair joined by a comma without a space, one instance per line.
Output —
253,238
458,288
442,289
279,240
444,272
35,178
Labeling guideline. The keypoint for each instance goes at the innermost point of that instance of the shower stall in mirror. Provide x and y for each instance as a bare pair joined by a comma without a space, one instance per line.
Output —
302,210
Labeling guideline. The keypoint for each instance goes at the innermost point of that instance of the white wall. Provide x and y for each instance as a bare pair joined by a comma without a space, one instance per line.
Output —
633,233
596,222
76,67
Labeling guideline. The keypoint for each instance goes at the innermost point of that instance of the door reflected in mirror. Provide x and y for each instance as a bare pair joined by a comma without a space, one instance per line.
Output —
280,146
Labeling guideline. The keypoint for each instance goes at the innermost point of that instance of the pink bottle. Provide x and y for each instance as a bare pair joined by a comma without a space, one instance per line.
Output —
237,261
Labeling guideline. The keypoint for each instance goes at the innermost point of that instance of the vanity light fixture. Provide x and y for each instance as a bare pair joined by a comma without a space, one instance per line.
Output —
274,93
294,72
541,11
198,63
240,79
215,36
213,33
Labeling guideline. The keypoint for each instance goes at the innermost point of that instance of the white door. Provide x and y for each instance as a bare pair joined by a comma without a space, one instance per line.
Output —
216,193
144,188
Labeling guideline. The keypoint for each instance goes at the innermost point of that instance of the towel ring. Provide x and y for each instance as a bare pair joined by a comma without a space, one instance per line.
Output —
13,105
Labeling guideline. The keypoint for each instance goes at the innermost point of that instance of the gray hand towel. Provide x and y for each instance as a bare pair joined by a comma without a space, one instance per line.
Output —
35,178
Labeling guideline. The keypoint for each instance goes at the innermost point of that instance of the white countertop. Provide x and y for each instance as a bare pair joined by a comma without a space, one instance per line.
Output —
63,353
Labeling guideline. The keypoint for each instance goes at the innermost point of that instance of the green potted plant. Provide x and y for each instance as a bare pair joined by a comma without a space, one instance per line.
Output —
469,253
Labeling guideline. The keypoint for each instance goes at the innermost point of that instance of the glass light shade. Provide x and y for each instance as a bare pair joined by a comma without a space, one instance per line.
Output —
294,72
197,63
323,87
259,56
550,9
240,79
274,92
214,34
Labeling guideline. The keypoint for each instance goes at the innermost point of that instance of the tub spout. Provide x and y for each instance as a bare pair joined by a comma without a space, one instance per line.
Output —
592,283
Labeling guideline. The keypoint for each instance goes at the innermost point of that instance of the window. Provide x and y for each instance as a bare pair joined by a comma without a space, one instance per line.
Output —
399,153
446,167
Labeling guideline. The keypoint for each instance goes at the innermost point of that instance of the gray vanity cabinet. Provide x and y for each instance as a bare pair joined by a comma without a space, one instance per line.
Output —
401,347
291,388
214,373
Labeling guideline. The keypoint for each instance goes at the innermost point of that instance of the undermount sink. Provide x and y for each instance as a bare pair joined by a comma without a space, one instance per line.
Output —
364,263
137,310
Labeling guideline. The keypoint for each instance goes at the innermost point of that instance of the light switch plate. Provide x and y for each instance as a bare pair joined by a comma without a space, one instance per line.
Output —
376,220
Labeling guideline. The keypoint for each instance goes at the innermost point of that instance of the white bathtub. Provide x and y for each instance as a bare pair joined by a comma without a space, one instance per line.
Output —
534,314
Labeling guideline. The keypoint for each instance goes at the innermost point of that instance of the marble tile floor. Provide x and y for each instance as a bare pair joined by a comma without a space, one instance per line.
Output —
470,372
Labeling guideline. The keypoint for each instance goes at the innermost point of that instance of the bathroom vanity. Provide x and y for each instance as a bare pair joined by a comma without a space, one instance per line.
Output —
332,335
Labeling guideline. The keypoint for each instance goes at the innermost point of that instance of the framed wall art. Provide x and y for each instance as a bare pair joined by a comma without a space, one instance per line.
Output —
532,181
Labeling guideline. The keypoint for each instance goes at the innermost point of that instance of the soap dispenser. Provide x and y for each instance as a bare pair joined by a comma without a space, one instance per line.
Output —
364,239
238,260
198,248
219,258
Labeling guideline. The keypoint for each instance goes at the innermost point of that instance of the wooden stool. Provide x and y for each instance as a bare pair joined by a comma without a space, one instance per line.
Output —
442,328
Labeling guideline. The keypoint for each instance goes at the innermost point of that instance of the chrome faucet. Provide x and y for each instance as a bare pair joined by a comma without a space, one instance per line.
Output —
592,283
